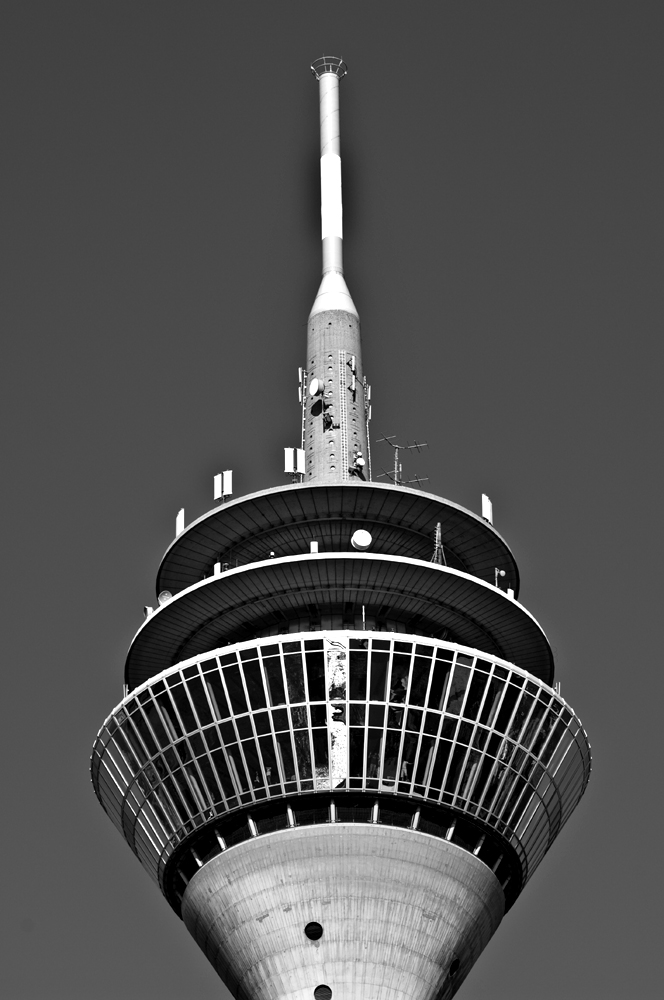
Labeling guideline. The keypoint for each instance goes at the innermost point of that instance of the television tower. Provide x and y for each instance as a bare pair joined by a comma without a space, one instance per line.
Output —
340,754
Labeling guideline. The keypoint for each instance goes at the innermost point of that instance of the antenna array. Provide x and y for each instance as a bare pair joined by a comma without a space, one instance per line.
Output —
396,475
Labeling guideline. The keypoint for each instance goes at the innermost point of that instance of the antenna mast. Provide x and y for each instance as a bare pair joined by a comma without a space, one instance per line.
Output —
397,472
333,292
336,393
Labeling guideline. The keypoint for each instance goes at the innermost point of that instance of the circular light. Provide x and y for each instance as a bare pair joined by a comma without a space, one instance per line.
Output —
322,992
164,596
361,540
313,931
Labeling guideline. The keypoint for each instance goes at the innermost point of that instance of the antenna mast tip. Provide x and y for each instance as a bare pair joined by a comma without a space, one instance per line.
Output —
329,64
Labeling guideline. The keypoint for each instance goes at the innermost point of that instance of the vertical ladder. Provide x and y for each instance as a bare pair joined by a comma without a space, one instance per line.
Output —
367,418
343,416
303,401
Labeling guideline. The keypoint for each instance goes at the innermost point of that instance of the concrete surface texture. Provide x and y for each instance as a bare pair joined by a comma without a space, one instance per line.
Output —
404,915
335,423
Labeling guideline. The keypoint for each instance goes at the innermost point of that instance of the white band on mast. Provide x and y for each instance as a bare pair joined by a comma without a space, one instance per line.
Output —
331,209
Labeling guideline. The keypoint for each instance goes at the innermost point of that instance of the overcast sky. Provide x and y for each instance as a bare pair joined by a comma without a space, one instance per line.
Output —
503,176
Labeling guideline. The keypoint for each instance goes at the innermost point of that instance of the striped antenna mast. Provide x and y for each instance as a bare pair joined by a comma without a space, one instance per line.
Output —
337,395
333,292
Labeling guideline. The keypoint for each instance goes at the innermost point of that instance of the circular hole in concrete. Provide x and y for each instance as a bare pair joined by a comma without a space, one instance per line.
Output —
313,931
322,992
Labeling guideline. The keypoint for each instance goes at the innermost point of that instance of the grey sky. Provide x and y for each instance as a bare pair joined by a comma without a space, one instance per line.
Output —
503,219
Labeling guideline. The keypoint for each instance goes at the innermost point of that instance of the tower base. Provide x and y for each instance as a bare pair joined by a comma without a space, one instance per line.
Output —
404,915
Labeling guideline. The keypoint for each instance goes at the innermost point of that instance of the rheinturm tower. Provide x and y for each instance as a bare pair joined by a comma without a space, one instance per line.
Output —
341,754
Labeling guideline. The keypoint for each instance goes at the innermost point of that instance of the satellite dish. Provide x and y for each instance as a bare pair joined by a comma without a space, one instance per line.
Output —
361,540
164,597
315,387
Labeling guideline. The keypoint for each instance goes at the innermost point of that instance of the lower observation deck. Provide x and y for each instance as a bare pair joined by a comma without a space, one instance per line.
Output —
247,738
249,601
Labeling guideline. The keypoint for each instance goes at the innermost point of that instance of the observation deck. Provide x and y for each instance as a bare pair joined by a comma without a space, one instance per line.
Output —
280,595
298,695
245,570
283,521
339,714
345,727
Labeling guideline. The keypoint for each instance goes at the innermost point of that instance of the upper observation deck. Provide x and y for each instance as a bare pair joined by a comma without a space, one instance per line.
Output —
314,591
283,521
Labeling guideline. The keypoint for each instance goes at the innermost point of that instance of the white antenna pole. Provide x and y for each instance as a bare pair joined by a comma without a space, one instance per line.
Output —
331,207
333,292
223,485
335,433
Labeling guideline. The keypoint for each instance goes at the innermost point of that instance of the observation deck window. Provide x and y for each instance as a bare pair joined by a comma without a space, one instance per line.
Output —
212,738
510,696
414,720
357,668
217,696
254,681
275,681
262,723
200,701
475,694
491,701
457,689
279,719
379,664
420,679
244,728
315,673
299,717
318,715
181,698
294,676
400,675
235,689
303,756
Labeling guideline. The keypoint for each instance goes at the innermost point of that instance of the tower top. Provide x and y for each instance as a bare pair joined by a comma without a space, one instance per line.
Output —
248,765
333,292
329,64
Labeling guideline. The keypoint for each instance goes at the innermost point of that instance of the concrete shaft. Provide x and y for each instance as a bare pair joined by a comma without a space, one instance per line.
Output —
335,431
404,915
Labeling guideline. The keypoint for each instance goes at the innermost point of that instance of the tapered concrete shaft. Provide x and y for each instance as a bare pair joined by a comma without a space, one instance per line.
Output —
335,415
404,915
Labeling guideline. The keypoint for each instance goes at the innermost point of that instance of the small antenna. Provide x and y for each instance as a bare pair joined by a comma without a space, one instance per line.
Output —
223,485
397,472
294,464
303,377
487,509
417,481
438,550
